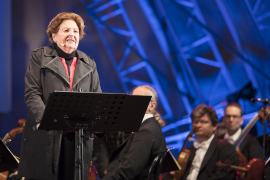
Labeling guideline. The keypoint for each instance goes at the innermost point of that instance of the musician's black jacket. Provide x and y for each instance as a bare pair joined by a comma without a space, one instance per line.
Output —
134,157
219,150
249,147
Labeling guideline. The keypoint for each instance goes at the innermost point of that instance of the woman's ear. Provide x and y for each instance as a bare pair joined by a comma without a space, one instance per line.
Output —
53,37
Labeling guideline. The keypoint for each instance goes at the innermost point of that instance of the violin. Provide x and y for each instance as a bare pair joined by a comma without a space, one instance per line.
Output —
3,175
253,171
11,135
184,156
92,172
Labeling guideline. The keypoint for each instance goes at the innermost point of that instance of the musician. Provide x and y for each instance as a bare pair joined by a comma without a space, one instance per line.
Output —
134,157
52,154
208,149
233,120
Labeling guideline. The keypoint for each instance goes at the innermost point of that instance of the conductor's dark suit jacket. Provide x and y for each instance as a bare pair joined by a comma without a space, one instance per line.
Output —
218,150
134,157
249,147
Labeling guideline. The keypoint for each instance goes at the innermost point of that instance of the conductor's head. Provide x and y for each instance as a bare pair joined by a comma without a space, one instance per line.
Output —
151,109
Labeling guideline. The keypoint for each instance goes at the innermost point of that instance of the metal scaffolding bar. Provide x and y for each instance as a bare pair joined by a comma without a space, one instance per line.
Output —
96,7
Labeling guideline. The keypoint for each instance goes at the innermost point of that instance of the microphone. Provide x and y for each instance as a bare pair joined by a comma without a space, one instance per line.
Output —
266,101
63,45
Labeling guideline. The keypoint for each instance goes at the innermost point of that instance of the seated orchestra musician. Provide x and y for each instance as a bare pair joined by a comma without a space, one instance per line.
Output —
233,120
208,150
132,159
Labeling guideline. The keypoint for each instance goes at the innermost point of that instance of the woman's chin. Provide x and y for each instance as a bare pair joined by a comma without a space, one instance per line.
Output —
69,49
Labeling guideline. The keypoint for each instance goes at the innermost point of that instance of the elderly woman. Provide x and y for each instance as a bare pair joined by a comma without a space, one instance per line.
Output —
52,154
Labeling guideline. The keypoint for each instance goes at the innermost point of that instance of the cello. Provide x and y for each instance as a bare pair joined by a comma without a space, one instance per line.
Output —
184,156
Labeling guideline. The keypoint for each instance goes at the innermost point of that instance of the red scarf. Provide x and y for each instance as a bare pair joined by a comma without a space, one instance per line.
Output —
72,70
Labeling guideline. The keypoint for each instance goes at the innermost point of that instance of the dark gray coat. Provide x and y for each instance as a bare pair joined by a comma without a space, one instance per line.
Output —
40,149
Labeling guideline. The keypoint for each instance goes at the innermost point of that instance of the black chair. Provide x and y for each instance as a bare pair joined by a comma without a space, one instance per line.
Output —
155,168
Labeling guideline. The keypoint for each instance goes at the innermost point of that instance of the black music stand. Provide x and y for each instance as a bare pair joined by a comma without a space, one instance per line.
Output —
170,163
95,112
7,160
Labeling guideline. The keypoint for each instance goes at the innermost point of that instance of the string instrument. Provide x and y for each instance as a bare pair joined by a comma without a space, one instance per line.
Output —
3,175
92,172
243,162
184,156
251,171
244,166
9,137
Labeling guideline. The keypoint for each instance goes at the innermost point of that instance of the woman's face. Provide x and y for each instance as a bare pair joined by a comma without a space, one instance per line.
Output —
67,38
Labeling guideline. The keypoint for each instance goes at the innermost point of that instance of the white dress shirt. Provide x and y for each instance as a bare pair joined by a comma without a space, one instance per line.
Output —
146,116
234,137
199,155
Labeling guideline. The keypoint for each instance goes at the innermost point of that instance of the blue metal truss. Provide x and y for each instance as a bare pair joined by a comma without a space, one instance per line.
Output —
184,55
187,53
165,47
260,26
235,36
260,14
208,38
261,21
94,10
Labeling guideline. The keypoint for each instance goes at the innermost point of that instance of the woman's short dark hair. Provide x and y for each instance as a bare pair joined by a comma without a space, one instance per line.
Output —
203,109
55,23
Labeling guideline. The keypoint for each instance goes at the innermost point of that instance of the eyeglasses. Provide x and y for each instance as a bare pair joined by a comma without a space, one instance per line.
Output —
233,116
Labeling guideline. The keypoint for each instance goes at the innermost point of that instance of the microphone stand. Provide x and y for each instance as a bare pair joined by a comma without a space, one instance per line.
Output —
265,114
263,124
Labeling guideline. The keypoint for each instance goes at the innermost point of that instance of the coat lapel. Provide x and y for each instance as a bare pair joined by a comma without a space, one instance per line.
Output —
54,63
56,66
209,153
84,68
